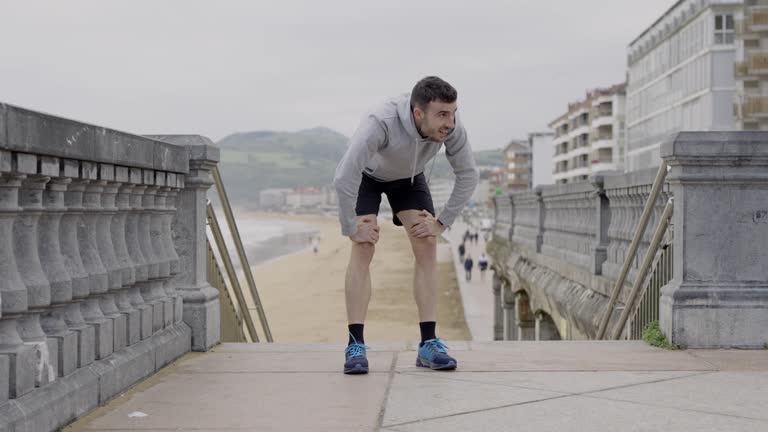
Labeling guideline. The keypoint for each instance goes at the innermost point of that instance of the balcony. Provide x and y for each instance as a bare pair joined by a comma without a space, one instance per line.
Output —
757,20
755,107
602,121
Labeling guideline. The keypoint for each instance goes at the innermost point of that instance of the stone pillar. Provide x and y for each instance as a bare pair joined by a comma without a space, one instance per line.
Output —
539,219
120,240
141,263
97,260
201,301
524,318
152,290
174,183
49,248
161,248
498,311
27,232
718,297
71,238
599,252
18,359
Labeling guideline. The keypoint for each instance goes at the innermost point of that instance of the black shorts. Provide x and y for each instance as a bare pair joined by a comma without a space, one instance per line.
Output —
400,193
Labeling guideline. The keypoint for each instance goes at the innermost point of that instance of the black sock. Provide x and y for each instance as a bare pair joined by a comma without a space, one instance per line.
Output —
427,330
356,331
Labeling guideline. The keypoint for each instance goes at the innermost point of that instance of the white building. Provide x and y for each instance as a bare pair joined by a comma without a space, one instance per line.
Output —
272,199
751,104
589,137
681,77
542,151
306,197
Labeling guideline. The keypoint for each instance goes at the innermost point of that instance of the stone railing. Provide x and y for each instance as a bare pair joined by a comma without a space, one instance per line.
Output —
526,218
102,263
569,243
627,195
568,230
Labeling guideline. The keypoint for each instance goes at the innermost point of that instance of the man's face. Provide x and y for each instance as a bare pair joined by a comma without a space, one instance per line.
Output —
437,122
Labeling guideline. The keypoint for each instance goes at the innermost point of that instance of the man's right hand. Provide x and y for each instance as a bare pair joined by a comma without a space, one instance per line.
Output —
367,231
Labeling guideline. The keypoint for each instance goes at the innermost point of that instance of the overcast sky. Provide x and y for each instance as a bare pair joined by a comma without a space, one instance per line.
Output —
218,67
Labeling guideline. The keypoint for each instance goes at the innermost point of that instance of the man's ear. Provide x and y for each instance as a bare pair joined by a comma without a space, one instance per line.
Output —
418,113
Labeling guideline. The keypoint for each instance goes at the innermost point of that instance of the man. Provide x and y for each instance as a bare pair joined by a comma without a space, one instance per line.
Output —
387,154
468,264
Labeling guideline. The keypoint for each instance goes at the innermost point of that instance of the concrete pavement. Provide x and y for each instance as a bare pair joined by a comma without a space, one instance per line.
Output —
477,294
499,386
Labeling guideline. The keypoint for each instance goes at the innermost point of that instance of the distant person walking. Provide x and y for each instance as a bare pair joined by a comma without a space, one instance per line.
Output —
468,264
387,154
482,262
315,245
462,251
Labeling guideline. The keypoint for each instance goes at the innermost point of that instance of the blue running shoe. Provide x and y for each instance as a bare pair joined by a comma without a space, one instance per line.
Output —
356,360
433,354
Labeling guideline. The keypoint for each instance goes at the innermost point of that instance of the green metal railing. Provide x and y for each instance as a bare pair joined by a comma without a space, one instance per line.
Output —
215,275
643,283
231,316
647,309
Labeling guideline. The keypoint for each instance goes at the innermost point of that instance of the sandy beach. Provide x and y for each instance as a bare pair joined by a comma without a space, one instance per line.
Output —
303,293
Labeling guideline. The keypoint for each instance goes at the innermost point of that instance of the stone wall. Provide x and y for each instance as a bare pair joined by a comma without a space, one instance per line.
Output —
99,271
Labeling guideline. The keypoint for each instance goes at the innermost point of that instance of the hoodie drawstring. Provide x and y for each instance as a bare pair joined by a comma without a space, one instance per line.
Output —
413,163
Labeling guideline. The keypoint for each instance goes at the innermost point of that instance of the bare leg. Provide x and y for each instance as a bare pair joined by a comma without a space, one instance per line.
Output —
357,284
425,269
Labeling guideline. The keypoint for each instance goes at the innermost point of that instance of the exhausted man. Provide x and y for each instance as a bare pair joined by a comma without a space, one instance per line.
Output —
387,154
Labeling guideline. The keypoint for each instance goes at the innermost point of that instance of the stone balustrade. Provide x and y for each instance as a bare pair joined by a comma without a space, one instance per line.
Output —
526,218
96,253
568,230
569,242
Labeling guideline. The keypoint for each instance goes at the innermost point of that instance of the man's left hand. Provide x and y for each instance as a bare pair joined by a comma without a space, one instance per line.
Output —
427,226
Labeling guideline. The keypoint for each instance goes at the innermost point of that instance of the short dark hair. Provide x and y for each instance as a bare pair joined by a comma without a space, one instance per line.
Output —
431,89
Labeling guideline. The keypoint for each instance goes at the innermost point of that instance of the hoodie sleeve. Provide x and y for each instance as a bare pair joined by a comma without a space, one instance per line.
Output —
369,137
459,155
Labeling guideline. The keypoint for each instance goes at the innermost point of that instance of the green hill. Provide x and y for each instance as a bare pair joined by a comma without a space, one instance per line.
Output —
252,161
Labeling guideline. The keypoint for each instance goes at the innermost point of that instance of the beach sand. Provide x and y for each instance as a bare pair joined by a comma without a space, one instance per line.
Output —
303,293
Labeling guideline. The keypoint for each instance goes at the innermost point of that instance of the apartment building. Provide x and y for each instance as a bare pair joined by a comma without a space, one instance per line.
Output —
680,77
589,137
517,167
751,69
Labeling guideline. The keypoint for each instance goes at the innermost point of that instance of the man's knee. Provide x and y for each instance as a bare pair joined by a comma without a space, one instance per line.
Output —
424,249
363,251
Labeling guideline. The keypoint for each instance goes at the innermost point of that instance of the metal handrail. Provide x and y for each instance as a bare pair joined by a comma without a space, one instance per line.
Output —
647,309
650,254
241,252
213,222
658,182
216,280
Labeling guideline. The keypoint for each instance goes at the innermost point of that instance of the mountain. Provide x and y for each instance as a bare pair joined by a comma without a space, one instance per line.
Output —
252,161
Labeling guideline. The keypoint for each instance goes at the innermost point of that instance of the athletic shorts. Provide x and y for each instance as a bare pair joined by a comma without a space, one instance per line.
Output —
400,193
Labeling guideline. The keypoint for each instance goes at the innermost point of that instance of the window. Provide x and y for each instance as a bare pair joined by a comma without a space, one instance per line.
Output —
724,29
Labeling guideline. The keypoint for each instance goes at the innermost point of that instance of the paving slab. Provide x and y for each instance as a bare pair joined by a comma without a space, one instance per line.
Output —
583,414
247,401
422,396
558,382
736,394
734,360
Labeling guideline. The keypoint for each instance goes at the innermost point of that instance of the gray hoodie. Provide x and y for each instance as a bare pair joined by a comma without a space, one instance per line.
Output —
388,147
